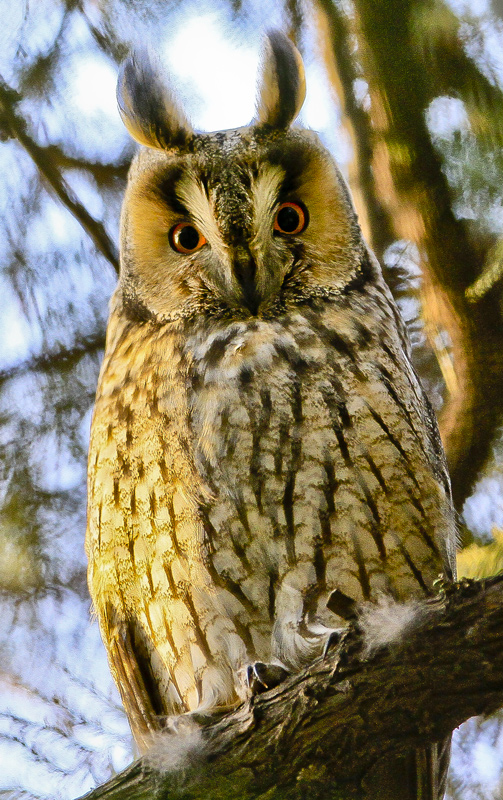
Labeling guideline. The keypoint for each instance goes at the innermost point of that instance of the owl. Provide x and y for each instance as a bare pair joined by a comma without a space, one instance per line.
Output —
263,459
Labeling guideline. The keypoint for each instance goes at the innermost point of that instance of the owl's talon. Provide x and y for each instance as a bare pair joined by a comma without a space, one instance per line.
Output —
333,641
262,677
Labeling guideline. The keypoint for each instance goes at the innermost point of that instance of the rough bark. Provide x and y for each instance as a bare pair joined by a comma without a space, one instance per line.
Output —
322,731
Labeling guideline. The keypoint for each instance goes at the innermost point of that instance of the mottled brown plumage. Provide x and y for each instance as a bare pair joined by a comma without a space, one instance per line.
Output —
262,453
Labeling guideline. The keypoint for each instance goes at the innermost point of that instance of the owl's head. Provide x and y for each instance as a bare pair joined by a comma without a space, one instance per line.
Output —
236,223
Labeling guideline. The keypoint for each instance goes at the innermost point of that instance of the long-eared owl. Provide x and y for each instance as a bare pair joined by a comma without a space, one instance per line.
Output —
263,458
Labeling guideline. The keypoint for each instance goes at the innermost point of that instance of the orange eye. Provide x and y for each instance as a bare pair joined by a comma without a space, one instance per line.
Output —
290,219
184,238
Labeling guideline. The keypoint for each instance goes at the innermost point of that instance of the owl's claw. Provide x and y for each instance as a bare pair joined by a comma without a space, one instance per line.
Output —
333,641
262,677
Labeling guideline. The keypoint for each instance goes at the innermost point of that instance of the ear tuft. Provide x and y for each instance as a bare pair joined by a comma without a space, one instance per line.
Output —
283,85
147,107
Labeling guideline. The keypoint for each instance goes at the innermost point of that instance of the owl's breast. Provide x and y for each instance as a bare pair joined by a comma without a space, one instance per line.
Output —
310,434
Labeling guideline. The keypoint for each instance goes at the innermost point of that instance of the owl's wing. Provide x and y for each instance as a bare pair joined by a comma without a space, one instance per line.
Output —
144,534
136,682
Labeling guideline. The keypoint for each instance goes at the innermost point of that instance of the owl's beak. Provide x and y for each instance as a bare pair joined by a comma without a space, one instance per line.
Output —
245,268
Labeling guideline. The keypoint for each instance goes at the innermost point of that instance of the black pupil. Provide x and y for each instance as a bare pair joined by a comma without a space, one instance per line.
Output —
188,237
288,219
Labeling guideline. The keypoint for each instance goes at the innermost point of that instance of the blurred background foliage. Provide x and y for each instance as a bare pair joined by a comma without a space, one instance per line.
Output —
409,96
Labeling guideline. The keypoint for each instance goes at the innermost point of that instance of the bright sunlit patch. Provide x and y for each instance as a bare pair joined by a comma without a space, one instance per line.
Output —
317,107
93,84
471,7
483,510
488,764
445,115
320,114
216,79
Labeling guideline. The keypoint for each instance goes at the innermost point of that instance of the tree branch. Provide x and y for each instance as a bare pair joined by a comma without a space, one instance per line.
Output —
12,124
63,357
105,174
326,727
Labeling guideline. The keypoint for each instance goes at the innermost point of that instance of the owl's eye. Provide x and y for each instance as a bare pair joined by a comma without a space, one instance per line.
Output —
184,238
290,218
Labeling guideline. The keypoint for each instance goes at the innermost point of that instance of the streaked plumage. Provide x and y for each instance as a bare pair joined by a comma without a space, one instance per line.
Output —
262,453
